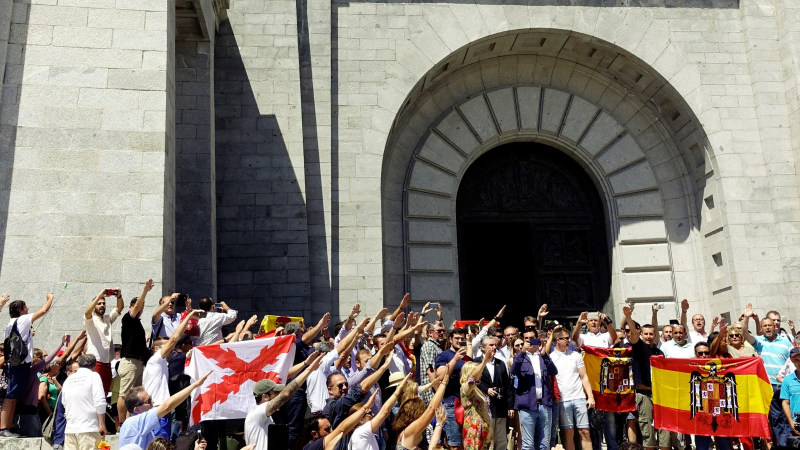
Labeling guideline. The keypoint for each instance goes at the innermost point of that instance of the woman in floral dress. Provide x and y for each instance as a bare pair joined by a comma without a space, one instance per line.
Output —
477,429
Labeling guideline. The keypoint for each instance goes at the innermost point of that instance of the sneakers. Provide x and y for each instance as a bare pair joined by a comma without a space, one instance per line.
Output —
8,434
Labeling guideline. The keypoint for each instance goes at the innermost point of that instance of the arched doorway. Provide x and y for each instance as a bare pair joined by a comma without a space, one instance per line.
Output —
531,230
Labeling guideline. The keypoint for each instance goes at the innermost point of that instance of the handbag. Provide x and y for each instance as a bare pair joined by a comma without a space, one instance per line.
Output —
49,426
458,410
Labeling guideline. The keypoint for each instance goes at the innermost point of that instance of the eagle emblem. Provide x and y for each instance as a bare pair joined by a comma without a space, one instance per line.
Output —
616,375
713,394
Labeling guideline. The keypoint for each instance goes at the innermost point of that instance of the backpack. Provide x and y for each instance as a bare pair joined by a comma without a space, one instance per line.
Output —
15,348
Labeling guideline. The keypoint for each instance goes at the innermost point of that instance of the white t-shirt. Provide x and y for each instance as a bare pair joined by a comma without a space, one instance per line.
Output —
24,328
569,380
98,333
363,438
596,340
155,378
84,399
316,383
255,426
671,349
210,326
695,337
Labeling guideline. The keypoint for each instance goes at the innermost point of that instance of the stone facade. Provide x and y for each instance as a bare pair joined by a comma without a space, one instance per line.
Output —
298,157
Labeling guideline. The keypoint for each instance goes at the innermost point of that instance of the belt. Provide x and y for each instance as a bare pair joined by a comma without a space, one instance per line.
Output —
539,401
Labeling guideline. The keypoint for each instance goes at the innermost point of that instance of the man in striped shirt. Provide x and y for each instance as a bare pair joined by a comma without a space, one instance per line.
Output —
774,350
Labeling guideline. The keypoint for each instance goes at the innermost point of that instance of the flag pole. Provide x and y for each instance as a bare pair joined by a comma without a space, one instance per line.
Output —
51,306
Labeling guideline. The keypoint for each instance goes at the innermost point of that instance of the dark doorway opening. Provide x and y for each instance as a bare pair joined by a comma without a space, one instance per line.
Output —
531,230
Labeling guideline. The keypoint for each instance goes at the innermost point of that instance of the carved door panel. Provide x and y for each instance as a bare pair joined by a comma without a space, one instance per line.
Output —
568,258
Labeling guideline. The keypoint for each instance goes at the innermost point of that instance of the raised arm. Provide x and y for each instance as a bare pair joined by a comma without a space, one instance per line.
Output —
299,367
476,374
626,312
292,387
368,382
168,346
378,419
139,305
542,313
349,342
403,305
70,348
612,331
719,346
330,441
312,332
93,304
748,313
418,426
371,325
654,318
376,359
576,333
162,306
175,400
351,318
684,309
43,310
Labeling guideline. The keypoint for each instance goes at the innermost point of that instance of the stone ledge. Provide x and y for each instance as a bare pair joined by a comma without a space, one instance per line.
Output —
40,444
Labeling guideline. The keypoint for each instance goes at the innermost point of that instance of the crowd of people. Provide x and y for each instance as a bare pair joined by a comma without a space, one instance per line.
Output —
398,379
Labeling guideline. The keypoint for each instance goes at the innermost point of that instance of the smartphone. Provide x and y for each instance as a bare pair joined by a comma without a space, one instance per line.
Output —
657,306
66,341
530,341
217,305
182,298
592,316
112,292
435,306
674,322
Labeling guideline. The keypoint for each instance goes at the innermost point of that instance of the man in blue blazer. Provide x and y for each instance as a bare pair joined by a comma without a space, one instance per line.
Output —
532,393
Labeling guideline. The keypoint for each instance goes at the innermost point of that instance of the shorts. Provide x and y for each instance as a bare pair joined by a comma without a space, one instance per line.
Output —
18,378
651,437
452,430
130,375
104,370
573,414
81,441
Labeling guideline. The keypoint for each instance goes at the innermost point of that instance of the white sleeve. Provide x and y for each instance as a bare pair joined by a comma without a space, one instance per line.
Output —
786,369
342,334
476,341
98,395
327,362
229,316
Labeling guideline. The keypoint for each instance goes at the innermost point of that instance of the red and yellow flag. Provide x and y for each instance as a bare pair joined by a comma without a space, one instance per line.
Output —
711,397
611,376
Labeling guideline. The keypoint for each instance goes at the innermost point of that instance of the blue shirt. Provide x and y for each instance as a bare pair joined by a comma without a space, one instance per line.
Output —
453,388
790,390
139,429
774,353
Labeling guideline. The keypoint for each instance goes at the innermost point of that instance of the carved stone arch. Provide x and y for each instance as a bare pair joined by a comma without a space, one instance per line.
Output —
637,141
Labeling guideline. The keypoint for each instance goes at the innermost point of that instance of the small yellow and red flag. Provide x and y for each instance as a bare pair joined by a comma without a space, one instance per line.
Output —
611,376
711,397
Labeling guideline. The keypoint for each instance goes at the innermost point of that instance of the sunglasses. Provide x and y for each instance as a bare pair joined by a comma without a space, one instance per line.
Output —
627,330
327,429
149,401
703,353
343,384
734,335
517,345
438,331
530,328
563,339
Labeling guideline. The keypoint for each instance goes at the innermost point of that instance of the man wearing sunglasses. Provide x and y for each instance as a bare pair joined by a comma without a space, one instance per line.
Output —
342,396
703,351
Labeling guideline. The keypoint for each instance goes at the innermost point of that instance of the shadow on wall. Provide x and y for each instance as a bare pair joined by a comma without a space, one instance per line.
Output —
262,226
9,114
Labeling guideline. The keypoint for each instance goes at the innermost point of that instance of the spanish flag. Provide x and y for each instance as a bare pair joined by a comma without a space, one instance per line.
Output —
711,397
272,322
610,373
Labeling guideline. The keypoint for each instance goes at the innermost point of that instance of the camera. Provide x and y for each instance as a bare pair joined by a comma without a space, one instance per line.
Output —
112,292
657,306
182,298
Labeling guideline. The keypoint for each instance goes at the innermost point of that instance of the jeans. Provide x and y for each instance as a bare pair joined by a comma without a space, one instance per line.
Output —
295,410
28,425
535,428
704,443
610,431
452,430
780,426
554,424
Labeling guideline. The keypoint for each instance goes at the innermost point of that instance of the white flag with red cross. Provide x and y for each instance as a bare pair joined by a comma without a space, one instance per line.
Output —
236,367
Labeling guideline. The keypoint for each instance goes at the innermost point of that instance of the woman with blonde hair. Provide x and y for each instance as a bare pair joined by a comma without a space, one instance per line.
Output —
477,431
414,417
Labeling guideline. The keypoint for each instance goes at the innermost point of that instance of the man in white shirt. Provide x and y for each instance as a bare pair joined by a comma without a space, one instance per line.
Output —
18,376
316,390
270,396
678,347
697,332
211,323
594,337
98,332
476,341
84,406
155,377
575,389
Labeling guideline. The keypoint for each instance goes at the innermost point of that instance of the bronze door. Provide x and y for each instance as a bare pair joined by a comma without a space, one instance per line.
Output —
531,230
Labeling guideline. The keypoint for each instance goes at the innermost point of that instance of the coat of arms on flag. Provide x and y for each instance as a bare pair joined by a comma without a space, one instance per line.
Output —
701,396
236,367
610,373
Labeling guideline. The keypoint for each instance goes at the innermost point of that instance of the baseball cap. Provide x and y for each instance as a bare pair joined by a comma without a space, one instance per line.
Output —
184,339
794,351
264,386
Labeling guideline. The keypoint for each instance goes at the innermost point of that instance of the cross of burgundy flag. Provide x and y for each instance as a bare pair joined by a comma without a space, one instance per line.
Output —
236,367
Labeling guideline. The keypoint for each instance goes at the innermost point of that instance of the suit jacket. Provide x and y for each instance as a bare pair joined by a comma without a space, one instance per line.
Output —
525,392
502,384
